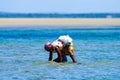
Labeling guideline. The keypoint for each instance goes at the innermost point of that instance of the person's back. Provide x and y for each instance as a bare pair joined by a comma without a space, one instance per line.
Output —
65,38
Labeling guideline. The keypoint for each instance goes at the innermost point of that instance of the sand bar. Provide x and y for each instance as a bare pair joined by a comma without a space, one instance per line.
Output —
58,21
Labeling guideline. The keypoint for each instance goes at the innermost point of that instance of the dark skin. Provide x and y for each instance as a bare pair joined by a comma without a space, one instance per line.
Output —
59,59
73,58
59,54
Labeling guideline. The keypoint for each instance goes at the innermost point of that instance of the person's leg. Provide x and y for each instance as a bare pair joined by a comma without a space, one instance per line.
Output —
56,60
64,59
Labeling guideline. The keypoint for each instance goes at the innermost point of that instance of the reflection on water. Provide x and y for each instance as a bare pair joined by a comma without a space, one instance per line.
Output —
22,56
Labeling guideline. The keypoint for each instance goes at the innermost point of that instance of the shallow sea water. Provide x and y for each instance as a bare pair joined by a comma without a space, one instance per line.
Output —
22,54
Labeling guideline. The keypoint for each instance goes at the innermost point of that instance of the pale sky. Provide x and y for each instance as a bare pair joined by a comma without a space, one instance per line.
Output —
60,6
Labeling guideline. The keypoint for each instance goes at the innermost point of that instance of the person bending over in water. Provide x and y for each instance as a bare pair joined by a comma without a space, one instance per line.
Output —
63,46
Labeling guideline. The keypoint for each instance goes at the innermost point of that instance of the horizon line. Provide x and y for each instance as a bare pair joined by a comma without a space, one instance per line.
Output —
60,13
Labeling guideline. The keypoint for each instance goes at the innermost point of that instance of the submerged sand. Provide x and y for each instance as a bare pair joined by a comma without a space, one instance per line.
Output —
58,21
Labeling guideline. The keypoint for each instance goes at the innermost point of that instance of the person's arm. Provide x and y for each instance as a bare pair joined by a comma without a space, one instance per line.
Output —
59,53
50,56
73,58
71,52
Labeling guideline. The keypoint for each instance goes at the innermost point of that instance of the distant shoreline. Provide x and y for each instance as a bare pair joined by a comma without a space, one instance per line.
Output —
59,21
59,15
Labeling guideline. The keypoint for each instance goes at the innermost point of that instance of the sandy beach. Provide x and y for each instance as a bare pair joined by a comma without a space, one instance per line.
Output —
59,21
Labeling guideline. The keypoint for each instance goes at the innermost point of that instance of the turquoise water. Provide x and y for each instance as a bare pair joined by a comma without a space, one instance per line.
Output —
22,56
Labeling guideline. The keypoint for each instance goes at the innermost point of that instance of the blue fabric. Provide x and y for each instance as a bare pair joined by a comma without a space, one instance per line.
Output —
64,59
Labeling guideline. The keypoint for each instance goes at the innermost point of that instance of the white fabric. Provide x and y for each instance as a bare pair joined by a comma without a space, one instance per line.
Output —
65,38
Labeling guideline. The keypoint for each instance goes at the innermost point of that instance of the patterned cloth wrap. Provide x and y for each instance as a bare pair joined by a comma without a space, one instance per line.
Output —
68,45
